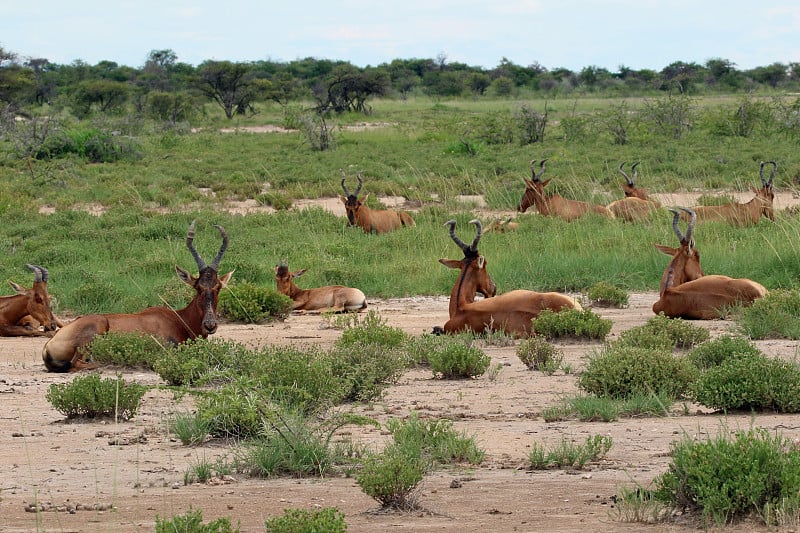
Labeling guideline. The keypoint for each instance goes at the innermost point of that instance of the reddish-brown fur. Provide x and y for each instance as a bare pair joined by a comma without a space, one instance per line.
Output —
687,293
748,213
371,220
21,314
637,204
510,312
555,205
333,298
63,352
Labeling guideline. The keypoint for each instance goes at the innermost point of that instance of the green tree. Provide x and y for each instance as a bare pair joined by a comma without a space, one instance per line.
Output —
228,84
103,95
14,79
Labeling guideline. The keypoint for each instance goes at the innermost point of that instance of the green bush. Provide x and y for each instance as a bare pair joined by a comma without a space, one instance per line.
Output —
750,381
251,304
92,397
776,315
366,370
712,353
190,428
458,359
235,410
326,520
568,454
391,477
571,323
192,522
538,354
193,361
125,349
730,477
660,332
620,371
436,439
371,329
604,294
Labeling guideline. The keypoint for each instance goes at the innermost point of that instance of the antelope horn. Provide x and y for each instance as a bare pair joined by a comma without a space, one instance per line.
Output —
635,172
459,242
767,183
627,178
222,248
39,273
541,170
346,192
690,227
360,183
675,218
189,238
478,233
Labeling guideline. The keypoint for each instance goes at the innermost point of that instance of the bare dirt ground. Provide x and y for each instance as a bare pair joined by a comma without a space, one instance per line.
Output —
138,468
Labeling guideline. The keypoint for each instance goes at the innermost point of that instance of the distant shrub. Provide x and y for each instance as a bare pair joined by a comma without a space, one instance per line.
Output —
251,304
537,353
571,323
436,439
93,397
192,522
275,200
371,329
712,353
568,454
391,477
660,332
458,359
776,315
326,520
604,294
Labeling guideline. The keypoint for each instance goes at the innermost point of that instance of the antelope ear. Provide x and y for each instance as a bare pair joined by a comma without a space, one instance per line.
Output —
451,263
343,199
298,273
17,288
226,279
185,276
363,199
670,251
545,182
481,261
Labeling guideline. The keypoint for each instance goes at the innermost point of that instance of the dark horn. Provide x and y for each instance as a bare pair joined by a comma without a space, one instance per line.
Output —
541,170
675,218
360,183
459,242
635,172
627,178
478,233
222,248
690,227
37,272
189,243
346,192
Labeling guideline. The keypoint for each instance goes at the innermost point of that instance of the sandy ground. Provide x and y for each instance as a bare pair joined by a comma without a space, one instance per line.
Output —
139,468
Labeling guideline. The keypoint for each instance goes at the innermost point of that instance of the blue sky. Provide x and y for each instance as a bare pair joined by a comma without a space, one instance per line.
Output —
639,34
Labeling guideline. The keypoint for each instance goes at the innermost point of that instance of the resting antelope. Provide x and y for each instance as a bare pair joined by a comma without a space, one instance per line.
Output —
371,220
501,226
744,214
21,314
335,298
510,312
554,205
687,293
637,204
63,352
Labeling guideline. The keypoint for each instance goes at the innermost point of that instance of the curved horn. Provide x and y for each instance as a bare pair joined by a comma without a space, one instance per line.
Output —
675,218
478,233
189,238
360,183
459,242
40,274
764,182
635,172
222,248
690,227
346,192
541,170
628,180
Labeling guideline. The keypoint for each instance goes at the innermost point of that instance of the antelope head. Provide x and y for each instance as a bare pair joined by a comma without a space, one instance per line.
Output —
473,265
351,201
534,187
630,181
685,264
766,194
38,297
284,277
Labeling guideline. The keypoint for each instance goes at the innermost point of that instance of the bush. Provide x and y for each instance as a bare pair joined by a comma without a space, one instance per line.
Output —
371,329
571,323
366,370
193,361
458,359
235,410
391,477
712,353
776,315
125,349
192,522
93,397
568,454
326,520
750,381
251,304
660,332
538,354
436,439
621,371
604,294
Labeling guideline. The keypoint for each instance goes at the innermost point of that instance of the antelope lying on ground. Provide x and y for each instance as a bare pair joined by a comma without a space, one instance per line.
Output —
510,312
637,204
371,220
333,298
555,205
687,293
744,214
21,314
501,226
63,352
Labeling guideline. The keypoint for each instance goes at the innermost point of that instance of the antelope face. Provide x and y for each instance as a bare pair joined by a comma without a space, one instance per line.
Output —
39,305
529,196
351,205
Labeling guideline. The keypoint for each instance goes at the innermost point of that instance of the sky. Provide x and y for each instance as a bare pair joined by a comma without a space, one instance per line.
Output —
574,34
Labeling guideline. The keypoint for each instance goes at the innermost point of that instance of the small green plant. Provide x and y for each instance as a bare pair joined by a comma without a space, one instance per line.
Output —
192,522
275,200
251,304
436,439
325,520
776,315
537,353
366,370
199,472
571,323
391,477
604,294
192,361
93,397
568,454
712,353
661,331
125,349
371,329
458,359
190,428
590,408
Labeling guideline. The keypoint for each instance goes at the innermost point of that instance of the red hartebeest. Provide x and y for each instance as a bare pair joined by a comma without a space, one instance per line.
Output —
63,352
555,205
21,314
510,312
637,204
371,220
687,293
748,213
333,298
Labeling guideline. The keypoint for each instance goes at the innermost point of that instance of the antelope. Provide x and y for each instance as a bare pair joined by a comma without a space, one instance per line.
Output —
501,226
510,312
22,313
687,293
554,205
63,353
637,204
371,220
748,213
333,298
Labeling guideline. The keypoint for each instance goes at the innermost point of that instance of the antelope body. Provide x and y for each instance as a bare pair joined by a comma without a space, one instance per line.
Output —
21,314
63,352
371,220
747,213
637,204
510,312
687,293
335,298
555,205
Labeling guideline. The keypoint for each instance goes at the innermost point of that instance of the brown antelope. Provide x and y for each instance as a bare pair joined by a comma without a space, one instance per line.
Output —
333,298
501,226
510,312
21,314
555,205
748,213
637,204
64,353
687,293
371,220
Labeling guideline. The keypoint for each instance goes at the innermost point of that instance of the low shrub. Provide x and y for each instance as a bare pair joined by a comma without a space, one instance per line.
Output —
660,331
192,522
194,361
458,359
571,323
190,428
325,520
392,476
366,370
537,353
604,294
371,329
568,454
712,353
234,410
252,304
125,349
776,315
436,439
93,397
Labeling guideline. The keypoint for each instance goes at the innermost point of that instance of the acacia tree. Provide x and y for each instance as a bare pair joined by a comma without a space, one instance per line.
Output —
229,84
348,89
